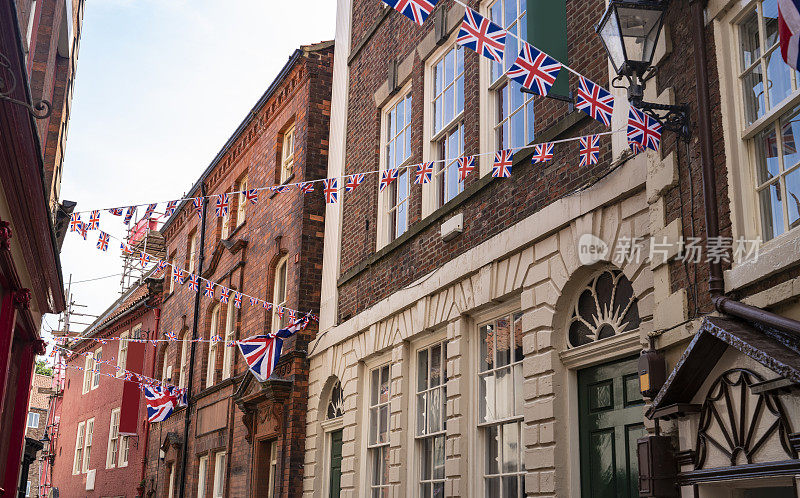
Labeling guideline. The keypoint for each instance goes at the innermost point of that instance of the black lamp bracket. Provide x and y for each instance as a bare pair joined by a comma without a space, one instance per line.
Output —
8,82
674,118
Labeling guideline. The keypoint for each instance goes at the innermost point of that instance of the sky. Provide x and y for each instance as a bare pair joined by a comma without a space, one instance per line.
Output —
160,87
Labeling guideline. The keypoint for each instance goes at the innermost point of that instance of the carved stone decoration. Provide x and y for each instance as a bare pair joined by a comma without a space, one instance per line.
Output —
606,307
738,423
248,421
336,402
5,235
22,299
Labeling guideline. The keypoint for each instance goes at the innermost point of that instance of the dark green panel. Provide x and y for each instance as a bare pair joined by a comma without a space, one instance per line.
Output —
336,464
602,466
547,31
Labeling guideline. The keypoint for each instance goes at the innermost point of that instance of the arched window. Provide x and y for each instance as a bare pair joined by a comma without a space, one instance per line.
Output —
212,347
279,292
184,373
606,307
336,402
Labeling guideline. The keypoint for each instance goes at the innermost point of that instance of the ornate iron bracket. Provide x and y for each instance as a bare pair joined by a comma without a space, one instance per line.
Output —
8,82
674,118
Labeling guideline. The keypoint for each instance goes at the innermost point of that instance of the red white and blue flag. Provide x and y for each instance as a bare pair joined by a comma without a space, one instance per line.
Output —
194,282
542,153
161,265
116,211
353,181
424,173
595,101
307,187
171,207
262,352
465,166
222,205
789,31
102,242
331,190
253,301
144,258
149,211
387,177
535,70
197,202
225,295
237,299
94,220
129,215
589,150
482,35
643,130
416,10
208,290
162,401
83,230
267,306
503,160
177,275
74,222
172,336
252,195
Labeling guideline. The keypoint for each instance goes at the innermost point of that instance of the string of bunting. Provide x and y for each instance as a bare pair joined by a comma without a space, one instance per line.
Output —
533,69
181,276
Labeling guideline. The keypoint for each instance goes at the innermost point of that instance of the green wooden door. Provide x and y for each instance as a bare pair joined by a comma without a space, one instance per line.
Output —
610,422
336,464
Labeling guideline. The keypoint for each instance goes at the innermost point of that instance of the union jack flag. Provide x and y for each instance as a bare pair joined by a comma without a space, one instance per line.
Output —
162,401
542,153
237,299
144,258
253,301
194,282
230,344
116,211
465,167
197,202
102,341
636,148
222,205
503,160
94,220
262,352
387,177
208,290
331,190
225,295
172,336
282,188
589,150
74,222
307,187
177,275
482,35
353,181
643,129
595,101
279,310
292,316
150,210
216,338
161,265
252,195
416,10
424,173
128,375
83,230
102,242
171,207
129,214
535,70
267,306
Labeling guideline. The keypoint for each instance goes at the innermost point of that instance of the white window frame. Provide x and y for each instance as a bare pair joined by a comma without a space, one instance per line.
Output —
28,489
87,374
165,365
279,298
202,476
122,353
169,274
190,257
516,418
183,375
226,222
374,449
211,362
80,438
241,205
230,335
98,355
87,447
171,485
220,460
34,416
417,440
273,468
386,206
124,451
112,453
432,138
287,158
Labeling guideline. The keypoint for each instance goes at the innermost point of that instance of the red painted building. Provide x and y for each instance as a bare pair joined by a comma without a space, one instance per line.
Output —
38,49
98,446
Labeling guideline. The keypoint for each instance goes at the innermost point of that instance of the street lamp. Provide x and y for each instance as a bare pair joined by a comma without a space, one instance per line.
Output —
629,30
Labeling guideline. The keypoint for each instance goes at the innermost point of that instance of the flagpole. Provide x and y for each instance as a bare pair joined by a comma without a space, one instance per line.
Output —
196,319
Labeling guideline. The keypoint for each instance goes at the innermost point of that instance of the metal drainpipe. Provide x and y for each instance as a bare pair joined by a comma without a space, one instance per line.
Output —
157,311
715,281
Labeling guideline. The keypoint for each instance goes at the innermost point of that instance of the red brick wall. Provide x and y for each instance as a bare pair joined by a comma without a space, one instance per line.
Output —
290,224
99,403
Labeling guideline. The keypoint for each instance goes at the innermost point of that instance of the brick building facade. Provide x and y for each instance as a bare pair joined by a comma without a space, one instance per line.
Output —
245,437
36,427
465,346
100,430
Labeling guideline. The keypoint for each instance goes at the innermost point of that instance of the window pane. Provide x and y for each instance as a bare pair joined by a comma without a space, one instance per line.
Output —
790,130
770,11
426,463
771,211
518,355
778,79
487,348
510,12
503,342
485,398
748,35
449,102
422,370
510,486
373,425
492,456
793,194
510,448
504,387
767,164
438,490
435,410
438,457
422,411
493,486
375,386
753,89
436,365
384,394
383,424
